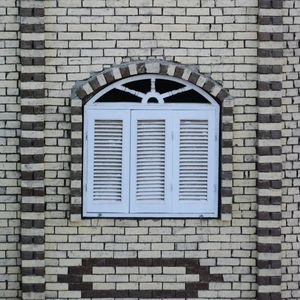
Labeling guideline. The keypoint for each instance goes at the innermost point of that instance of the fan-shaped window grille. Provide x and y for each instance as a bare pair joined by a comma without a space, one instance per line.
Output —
151,150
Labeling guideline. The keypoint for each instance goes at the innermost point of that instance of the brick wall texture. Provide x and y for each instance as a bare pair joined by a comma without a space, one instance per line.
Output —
248,52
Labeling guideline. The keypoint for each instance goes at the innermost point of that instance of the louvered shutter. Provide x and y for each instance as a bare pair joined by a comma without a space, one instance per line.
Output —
151,163
195,158
107,161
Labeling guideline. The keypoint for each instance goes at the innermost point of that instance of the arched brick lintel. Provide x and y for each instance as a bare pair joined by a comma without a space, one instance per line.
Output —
85,90
88,88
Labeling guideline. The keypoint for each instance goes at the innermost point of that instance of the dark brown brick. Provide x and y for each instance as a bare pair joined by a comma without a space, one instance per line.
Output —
193,77
25,45
71,278
226,208
163,294
39,45
227,127
178,72
222,95
94,83
81,93
32,223
269,280
226,159
75,192
76,143
33,287
264,36
75,175
163,69
81,286
29,271
197,286
208,85
94,262
32,93
76,127
76,110
80,270
268,296
275,150
38,158
30,207
38,61
269,248
265,20
125,71
75,208
76,158
32,240
25,28
264,200
266,102
269,52
226,143
269,134
227,111
269,215
227,175
269,167
164,262
38,12
268,264
32,255
26,61
217,278
268,231
140,294
141,69
26,12
226,192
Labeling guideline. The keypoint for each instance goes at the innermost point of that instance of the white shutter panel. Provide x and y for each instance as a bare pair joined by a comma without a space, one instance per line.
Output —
107,161
195,161
151,168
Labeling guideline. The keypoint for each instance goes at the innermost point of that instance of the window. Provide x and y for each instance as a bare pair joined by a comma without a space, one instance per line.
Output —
151,150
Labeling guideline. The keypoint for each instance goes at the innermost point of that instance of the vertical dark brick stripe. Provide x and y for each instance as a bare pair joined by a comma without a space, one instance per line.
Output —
269,152
32,140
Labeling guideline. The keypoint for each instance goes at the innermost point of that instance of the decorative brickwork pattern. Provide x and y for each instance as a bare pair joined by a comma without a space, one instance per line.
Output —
32,93
139,278
269,150
91,87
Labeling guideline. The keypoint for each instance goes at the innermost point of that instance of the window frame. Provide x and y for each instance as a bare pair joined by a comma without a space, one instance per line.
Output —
120,105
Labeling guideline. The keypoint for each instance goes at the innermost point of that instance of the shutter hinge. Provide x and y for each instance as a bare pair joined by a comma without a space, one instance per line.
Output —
85,187
215,188
216,137
86,136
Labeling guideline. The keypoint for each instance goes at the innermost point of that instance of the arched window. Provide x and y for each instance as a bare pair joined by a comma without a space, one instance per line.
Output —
151,149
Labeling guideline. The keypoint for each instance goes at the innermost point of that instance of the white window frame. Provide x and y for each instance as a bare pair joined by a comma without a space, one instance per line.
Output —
171,208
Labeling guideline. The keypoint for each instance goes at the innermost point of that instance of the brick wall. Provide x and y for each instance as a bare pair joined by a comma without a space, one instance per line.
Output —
9,151
68,41
93,36
291,152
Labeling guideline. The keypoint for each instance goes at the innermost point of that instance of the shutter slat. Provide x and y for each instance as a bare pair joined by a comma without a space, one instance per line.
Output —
193,160
150,166
107,169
